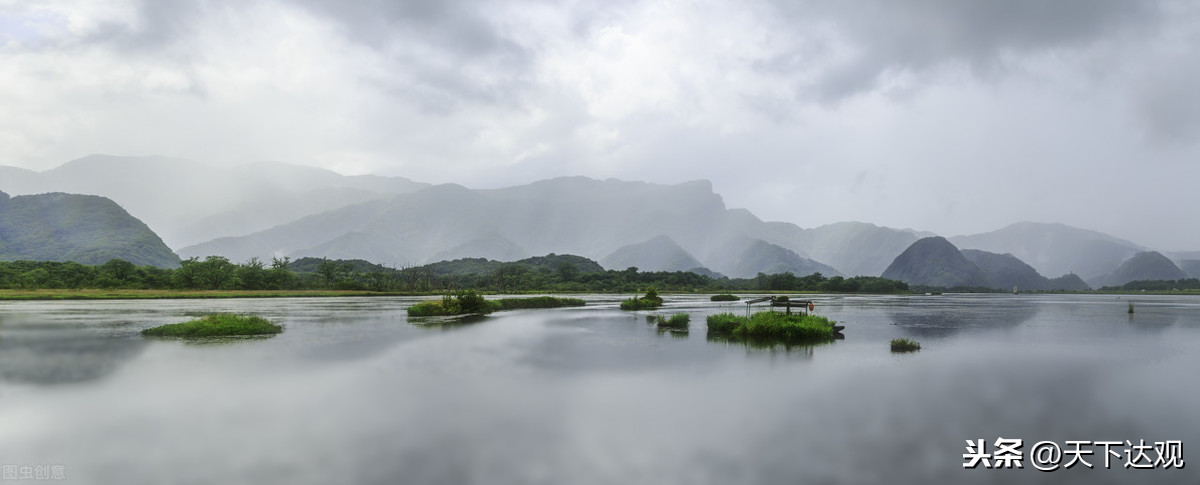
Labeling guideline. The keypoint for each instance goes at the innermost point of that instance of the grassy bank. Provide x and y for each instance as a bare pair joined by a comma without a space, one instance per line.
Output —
216,325
771,326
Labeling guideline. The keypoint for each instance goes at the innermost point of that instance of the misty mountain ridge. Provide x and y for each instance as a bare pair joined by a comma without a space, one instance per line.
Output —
272,208
85,229
660,253
1055,248
1191,267
1143,266
936,262
1006,271
575,215
187,202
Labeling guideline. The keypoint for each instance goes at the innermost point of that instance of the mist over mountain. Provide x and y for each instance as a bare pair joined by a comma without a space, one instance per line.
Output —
746,258
1054,248
1146,265
575,215
271,208
187,202
934,261
660,253
1069,282
1006,271
1191,267
854,248
81,228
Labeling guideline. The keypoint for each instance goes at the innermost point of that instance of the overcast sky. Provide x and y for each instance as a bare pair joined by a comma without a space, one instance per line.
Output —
942,115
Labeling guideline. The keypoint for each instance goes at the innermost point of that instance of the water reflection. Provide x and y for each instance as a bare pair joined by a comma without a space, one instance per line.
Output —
594,395
1148,320
941,319
58,353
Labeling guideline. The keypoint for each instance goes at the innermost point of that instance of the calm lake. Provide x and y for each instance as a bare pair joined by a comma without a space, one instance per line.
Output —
355,392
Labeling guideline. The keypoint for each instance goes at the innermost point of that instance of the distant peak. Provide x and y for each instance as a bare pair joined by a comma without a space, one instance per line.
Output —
97,160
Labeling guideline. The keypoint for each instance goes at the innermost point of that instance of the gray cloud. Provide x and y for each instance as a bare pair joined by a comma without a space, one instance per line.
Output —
917,35
936,114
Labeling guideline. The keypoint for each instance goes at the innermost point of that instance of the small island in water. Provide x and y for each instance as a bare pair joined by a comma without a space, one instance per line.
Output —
216,325
471,303
773,327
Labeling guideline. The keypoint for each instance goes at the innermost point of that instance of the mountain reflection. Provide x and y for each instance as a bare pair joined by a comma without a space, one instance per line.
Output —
946,319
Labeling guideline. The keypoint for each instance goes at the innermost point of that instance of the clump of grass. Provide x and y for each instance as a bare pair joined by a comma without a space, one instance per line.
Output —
1131,307
771,326
723,323
216,325
678,321
649,301
538,302
724,297
905,345
461,303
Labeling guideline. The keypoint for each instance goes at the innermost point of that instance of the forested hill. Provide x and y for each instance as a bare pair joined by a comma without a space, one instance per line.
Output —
934,261
82,228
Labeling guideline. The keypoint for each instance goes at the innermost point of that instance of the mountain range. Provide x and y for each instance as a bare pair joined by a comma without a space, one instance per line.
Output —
188,202
936,262
621,223
274,209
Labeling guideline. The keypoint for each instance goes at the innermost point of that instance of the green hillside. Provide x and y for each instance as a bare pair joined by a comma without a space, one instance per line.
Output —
82,228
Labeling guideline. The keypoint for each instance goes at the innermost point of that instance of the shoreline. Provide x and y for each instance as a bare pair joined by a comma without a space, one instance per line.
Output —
138,294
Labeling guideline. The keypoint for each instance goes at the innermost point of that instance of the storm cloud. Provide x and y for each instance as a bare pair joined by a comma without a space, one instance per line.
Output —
953,117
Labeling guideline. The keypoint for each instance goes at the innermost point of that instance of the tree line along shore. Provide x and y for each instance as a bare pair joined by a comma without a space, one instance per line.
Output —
558,273
216,276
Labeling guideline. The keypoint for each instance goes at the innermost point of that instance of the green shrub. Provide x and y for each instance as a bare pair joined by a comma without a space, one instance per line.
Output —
216,325
905,345
723,323
725,297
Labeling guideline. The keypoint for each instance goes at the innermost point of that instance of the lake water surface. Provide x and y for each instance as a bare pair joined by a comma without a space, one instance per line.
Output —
354,392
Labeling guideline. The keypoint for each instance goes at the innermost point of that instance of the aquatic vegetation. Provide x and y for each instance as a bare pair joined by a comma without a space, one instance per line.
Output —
678,321
648,301
216,325
772,326
538,302
461,303
468,302
1131,307
724,297
905,345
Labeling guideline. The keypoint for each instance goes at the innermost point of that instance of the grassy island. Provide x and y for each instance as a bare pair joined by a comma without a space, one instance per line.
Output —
468,302
538,302
216,325
678,321
724,297
649,301
771,326
905,345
